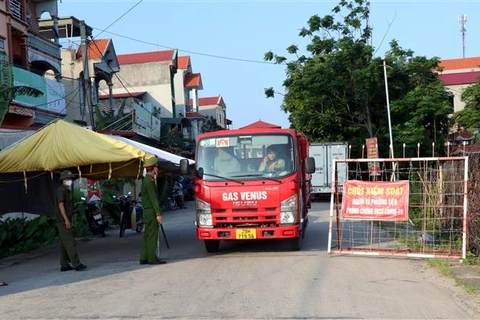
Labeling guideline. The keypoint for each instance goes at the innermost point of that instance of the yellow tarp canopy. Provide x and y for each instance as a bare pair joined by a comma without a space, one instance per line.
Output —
61,145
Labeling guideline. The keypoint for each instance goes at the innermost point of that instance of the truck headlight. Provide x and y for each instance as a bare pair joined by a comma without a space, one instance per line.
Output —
204,213
204,219
288,211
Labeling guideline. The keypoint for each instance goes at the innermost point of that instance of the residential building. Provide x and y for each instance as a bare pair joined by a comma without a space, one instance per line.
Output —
31,56
261,125
214,107
151,72
132,116
457,75
187,85
85,65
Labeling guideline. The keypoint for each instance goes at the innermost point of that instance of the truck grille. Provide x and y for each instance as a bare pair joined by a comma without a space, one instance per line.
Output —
245,221
245,210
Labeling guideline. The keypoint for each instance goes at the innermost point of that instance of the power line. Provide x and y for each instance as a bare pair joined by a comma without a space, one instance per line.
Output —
191,52
123,15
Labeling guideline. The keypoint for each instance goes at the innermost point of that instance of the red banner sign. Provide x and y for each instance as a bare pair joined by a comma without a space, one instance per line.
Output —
375,200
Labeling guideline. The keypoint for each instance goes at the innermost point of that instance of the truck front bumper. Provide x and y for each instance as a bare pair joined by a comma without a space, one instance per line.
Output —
253,233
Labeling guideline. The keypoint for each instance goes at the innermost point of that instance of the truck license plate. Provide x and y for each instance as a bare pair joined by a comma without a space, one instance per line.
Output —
245,234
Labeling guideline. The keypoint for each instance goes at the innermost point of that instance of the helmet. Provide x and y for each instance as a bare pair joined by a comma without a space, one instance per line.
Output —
66,174
150,162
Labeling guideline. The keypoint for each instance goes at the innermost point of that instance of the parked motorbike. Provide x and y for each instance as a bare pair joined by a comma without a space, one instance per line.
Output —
127,204
175,201
188,188
96,222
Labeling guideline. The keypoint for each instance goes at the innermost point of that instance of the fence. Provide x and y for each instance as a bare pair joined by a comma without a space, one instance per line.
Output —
409,207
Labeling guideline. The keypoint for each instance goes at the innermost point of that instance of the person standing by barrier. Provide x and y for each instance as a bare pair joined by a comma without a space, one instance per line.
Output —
152,216
69,259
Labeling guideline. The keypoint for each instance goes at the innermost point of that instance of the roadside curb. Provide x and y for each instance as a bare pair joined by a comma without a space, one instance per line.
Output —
27,256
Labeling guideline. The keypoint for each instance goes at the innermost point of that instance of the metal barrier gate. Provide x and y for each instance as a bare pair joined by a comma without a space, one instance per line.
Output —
405,207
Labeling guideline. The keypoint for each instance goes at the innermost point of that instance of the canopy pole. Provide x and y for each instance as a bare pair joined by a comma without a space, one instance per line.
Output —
79,173
109,171
25,180
139,168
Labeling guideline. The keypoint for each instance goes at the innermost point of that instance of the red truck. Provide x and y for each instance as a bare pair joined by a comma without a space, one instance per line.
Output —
251,184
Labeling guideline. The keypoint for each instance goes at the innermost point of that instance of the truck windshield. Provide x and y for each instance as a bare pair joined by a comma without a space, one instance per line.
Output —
246,157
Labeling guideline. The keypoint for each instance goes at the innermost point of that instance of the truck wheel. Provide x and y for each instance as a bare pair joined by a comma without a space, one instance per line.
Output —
212,245
296,243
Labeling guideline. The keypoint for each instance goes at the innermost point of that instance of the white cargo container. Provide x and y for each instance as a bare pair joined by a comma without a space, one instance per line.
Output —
324,153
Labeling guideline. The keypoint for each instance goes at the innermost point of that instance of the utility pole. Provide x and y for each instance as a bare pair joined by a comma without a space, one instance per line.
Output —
87,86
463,30
388,108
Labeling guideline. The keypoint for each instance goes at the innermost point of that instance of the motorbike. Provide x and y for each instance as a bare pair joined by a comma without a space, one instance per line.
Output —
188,189
96,222
127,204
170,203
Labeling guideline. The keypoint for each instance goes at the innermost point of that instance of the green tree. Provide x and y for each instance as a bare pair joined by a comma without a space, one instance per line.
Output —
336,91
8,91
114,120
210,125
469,117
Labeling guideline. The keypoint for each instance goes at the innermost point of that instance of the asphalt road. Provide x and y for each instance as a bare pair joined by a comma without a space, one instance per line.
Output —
246,280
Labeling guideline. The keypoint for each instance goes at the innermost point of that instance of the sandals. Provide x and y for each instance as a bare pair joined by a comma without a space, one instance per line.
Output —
3,284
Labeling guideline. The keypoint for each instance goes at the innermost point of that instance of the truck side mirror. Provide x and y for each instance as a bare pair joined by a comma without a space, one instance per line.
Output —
200,173
310,165
184,166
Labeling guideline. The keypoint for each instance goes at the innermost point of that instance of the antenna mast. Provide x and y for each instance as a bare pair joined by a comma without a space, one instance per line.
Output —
463,30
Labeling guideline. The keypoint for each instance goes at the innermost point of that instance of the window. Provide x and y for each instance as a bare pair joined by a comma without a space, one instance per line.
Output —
240,157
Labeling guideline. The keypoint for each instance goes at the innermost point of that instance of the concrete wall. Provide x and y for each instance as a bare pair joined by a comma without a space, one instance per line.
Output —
457,91
153,77
71,72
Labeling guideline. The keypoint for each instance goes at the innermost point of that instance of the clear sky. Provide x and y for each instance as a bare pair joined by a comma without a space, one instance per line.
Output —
245,30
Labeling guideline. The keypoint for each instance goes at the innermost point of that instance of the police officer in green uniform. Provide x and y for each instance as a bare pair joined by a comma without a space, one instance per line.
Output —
152,216
68,252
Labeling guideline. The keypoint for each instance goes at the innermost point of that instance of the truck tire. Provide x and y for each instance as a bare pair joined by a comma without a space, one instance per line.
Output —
212,245
296,243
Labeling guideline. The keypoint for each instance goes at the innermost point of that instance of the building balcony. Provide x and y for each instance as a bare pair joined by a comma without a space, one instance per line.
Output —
16,9
41,50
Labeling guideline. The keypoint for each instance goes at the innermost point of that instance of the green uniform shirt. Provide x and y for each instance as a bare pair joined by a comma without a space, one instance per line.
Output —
64,194
150,196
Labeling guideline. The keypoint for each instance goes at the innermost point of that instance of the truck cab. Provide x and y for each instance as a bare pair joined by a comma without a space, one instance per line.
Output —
252,185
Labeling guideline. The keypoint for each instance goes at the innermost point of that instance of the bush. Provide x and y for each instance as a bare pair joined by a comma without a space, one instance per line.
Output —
79,221
19,235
